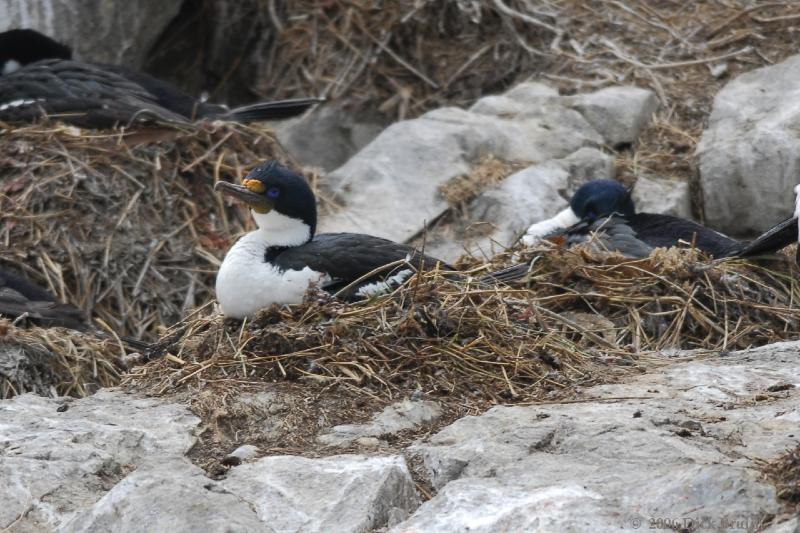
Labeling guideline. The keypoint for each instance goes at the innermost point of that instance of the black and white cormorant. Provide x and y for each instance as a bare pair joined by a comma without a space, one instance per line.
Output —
21,297
606,208
277,262
39,78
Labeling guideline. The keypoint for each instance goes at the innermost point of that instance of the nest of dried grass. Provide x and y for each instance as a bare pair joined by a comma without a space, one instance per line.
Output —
55,361
581,318
124,225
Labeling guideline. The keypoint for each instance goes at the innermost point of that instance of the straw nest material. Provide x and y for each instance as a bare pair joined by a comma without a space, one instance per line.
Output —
124,226
582,317
56,361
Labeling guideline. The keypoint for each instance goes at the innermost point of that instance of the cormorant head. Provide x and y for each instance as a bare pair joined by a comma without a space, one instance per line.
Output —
280,199
20,47
601,198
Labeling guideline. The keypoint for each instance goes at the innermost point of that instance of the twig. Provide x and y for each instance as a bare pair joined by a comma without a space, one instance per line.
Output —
612,46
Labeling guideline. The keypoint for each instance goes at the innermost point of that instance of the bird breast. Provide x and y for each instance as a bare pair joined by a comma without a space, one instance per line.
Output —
246,282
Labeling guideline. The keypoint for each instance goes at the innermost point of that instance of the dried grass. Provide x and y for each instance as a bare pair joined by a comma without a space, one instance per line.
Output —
55,361
124,226
584,318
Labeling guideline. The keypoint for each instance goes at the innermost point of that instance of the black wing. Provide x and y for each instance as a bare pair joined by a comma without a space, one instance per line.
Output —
177,100
346,257
78,93
19,296
667,230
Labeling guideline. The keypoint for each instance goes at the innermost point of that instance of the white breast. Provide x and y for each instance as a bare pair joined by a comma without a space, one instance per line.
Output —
247,283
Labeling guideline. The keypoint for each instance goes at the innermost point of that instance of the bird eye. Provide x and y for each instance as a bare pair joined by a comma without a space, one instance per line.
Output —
273,192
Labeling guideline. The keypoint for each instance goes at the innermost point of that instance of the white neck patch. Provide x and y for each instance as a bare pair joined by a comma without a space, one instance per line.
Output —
11,66
540,230
281,230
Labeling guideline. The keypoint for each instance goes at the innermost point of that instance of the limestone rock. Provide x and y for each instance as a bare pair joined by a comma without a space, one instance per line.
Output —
173,496
55,462
749,156
105,32
668,197
618,113
691,447
393,419
340,493
283,493
390,188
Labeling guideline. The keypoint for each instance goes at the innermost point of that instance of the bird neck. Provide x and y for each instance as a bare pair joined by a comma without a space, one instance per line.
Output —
275,229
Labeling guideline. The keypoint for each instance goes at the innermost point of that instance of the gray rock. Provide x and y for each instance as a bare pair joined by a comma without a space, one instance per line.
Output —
390,188
340,493
749,156
587,164
243,453
618,113
173,496
692,449
56,463
106,32
669,197
488,505
530,195
393,419
328,136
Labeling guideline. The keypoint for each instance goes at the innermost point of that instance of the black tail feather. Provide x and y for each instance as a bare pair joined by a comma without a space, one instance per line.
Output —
277,110
776,238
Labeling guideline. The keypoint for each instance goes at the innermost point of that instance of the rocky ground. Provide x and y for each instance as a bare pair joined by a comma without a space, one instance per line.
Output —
687,447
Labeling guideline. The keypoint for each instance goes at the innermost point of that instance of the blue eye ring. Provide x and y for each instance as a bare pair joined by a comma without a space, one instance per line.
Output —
273,192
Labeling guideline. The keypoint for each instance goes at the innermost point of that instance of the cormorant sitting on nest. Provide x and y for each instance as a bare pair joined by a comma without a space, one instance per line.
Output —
277,262
40,78
606,207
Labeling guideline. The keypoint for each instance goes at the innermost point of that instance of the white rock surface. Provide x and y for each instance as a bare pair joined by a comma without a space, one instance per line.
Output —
390,188
340,493
664,196
749,156
618,113
172,496
105,32
275,494
687,450
54,463
393,419
115,462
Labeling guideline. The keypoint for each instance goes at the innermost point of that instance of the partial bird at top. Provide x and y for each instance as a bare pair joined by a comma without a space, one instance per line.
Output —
605,208
20,297
280,260
40,78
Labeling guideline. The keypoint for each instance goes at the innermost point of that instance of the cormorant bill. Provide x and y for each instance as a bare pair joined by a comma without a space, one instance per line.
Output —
39,77
277,262
606,207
